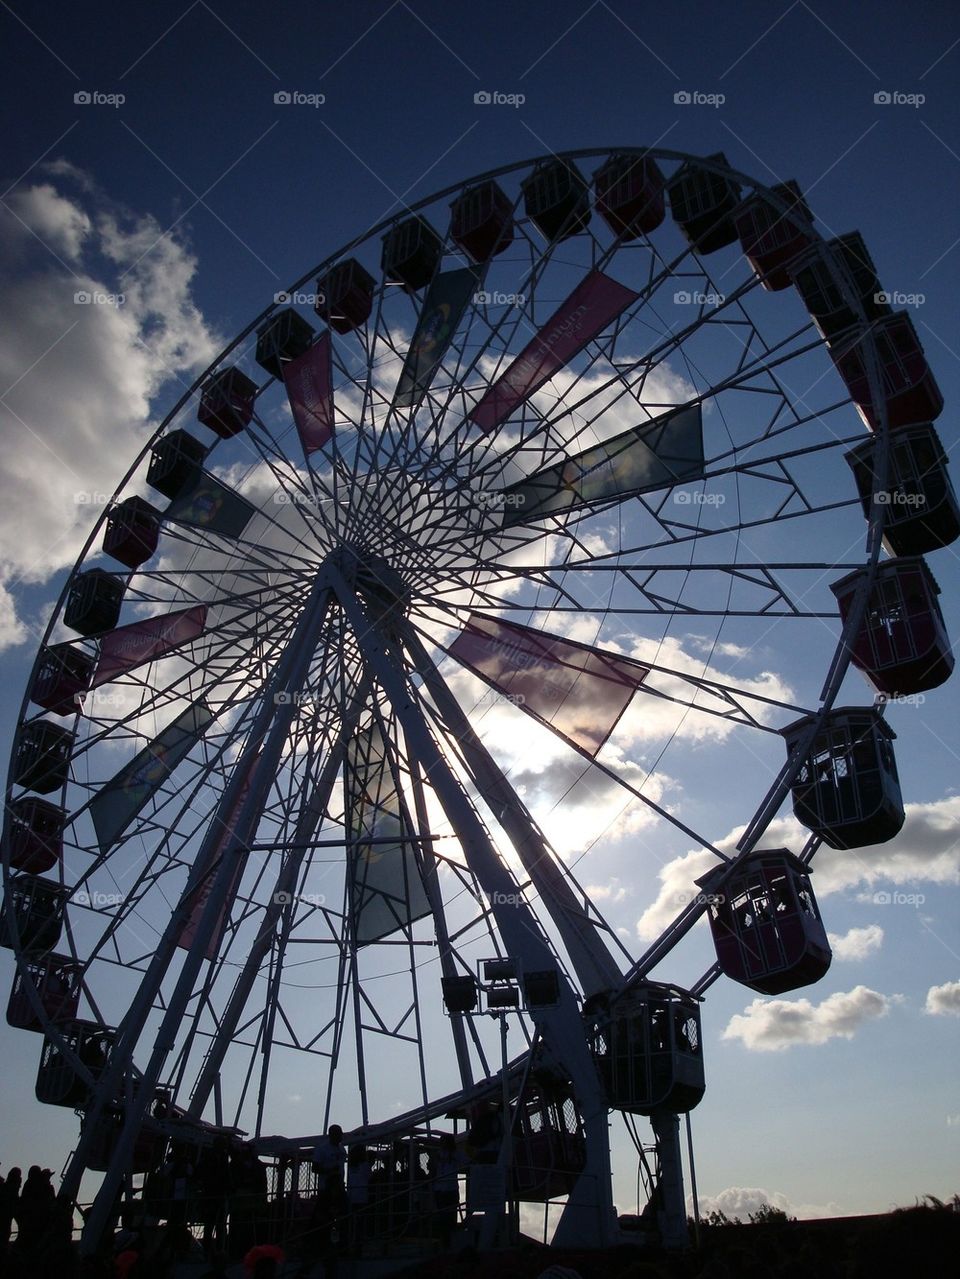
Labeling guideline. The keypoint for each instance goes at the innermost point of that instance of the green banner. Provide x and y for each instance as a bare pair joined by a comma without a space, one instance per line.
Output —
115,806
443,308
666,451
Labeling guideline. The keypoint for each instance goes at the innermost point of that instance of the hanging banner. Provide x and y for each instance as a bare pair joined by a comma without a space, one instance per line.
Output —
386,891
129,646
117,803
588,310
202,892
209,504
443,308
579,692
666,451
309,383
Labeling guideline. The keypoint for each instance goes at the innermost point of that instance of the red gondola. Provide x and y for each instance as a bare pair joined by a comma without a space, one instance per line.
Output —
226,402
94,602
281,339
648,1050
815,275
345,296
630,195
481,221
701,204
556,199
909,388
58,1082
42,756
847,790
56,980
132,533
31,917
549,1147
411,253
902,645
772,239
765,922
174,463
922,510
35,828
63,676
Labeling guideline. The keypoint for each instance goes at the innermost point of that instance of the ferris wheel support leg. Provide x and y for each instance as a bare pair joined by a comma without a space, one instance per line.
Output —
271,727
285,885
560,1025
594,964
672,1211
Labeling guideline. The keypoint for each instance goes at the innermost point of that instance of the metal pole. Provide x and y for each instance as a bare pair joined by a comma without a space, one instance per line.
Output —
693,1182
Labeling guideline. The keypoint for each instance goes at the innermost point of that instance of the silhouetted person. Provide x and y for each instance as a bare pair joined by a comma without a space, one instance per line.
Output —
358,1192
248,1201
213,1177
35,1209
9,1201
328,1161
444,1166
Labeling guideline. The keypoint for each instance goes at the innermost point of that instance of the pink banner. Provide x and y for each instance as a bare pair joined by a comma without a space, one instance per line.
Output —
129,646
203,890
580,692
589,309
309,383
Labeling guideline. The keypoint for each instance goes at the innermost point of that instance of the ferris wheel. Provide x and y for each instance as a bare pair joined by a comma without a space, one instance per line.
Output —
433,587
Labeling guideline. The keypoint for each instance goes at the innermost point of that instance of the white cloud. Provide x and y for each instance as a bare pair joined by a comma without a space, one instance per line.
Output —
858,943
80,379
52,218
613,892
944,1001
741,1201
776,1024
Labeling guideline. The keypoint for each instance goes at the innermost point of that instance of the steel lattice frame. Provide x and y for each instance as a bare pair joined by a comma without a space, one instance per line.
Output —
293,662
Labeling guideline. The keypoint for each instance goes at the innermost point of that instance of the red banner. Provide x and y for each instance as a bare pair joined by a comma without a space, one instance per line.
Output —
129,646
309,383
579,692
587,311
203,890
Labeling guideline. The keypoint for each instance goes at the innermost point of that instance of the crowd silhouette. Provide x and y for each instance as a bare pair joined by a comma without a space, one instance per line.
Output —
212,1212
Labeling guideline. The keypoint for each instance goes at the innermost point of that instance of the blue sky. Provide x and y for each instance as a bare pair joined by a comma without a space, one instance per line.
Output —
230,196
